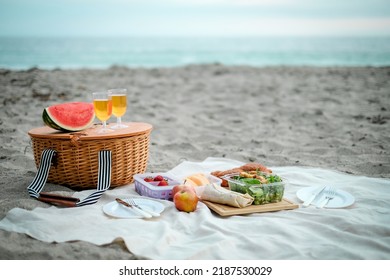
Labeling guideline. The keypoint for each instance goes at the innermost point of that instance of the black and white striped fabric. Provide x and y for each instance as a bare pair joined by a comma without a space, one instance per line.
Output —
104,176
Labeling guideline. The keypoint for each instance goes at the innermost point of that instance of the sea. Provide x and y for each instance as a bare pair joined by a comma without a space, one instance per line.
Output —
98,53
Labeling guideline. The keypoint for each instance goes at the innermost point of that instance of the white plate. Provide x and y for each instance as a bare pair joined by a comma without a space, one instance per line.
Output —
118,210
341,200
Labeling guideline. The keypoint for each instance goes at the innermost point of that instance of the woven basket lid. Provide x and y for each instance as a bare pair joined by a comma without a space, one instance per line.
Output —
133,129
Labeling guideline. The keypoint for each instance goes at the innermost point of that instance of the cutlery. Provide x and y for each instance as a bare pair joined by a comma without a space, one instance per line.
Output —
58,199
140,211
313,196
154,214
329,193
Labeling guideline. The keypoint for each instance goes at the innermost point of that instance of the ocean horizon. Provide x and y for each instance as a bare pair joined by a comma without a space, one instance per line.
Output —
21,53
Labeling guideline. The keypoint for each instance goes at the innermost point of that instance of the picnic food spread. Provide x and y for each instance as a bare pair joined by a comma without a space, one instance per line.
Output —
239,187
243,186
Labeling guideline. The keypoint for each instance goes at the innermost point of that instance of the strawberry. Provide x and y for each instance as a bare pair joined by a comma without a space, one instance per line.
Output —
148,179
158,178
163,183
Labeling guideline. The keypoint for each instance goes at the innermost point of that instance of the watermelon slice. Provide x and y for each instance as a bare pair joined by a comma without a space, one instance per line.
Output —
73,116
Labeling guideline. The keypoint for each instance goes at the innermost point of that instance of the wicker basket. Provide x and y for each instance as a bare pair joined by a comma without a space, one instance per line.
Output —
76,162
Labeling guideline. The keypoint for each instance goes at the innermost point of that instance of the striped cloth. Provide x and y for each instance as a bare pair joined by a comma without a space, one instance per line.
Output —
104,176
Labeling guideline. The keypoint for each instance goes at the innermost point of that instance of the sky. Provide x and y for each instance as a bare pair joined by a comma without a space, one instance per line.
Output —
195,18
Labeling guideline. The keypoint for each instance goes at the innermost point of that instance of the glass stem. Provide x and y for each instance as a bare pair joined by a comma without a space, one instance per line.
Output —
118,120
104,124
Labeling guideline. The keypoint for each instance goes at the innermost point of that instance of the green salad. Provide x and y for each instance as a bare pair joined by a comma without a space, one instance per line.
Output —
263,187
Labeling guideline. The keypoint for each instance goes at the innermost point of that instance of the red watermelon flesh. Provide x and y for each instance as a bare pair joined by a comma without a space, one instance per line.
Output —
74,116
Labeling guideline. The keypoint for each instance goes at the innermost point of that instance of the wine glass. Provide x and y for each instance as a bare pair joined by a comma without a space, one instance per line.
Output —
119,105
103,108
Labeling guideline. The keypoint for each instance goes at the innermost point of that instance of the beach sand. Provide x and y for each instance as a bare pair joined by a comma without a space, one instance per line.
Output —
334,118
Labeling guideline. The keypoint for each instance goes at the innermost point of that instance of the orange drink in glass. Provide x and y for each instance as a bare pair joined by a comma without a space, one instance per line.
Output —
102,105
119,105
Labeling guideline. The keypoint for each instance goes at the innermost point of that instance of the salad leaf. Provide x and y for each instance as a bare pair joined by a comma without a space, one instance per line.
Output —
274,179
251,181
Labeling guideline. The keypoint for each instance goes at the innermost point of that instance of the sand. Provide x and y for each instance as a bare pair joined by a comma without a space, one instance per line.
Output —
334,118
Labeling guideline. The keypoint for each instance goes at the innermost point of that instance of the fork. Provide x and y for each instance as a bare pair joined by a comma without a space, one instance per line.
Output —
138,210
133,203
330,193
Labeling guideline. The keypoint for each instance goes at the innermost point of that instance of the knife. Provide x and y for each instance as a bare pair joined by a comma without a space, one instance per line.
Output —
154,214
313,196
143,213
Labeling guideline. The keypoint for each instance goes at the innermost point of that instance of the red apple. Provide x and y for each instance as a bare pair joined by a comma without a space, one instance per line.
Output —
186,200
178,188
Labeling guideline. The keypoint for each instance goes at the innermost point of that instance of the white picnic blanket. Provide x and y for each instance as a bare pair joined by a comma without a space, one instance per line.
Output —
360,231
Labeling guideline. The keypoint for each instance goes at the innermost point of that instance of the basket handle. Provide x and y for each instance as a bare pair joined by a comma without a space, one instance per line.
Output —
36,186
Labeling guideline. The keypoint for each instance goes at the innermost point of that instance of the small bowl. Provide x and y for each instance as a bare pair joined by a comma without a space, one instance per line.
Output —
151,189
262,193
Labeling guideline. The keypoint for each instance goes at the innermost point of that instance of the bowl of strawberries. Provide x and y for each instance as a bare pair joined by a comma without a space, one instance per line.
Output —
155,185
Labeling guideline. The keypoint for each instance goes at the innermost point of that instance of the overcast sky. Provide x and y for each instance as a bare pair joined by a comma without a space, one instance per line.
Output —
194,17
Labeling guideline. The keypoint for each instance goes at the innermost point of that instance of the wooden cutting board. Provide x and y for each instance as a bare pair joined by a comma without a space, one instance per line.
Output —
226,210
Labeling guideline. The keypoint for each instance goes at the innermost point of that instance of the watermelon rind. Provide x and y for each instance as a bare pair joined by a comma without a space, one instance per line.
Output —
69,117
47,120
